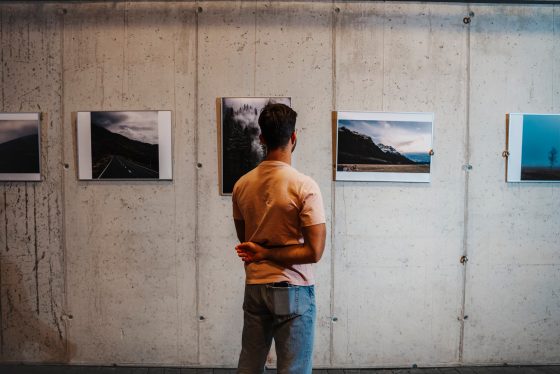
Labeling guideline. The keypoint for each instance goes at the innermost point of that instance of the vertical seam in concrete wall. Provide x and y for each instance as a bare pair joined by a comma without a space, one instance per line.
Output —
383,59
255,50
35,244
197,181
173,132
125,43
63,192
466,192
334,20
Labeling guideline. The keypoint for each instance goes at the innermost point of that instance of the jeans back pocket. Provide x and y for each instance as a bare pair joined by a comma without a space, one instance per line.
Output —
286,300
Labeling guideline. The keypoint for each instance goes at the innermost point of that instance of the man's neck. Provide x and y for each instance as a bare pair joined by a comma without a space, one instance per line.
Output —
280,154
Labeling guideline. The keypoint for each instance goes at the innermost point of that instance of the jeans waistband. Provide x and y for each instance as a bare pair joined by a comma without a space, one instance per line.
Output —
280,284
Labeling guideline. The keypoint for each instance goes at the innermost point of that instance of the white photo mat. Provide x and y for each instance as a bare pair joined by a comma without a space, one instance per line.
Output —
381,176
24,176
514,147
85,146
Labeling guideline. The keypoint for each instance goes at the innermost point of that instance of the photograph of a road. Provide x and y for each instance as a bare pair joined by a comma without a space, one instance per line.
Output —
124,145
119,165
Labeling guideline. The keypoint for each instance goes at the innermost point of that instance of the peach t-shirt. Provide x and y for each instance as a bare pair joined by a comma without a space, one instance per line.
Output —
276,201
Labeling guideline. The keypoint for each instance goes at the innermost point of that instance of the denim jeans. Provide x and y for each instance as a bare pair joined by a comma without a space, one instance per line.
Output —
285,314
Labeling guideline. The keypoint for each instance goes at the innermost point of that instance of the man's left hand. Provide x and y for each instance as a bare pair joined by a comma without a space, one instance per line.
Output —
251,252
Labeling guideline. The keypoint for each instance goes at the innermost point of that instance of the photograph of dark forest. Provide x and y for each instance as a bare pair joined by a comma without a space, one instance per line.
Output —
241,149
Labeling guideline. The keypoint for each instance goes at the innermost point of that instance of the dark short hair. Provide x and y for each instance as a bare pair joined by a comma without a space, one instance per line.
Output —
277,123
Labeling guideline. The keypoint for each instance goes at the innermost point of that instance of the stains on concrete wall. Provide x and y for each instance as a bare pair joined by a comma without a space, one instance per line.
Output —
145,272
32,260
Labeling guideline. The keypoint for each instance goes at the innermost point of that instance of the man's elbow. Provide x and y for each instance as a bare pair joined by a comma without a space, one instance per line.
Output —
316,256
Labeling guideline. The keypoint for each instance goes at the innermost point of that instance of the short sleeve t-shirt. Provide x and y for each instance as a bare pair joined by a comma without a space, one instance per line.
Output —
276,201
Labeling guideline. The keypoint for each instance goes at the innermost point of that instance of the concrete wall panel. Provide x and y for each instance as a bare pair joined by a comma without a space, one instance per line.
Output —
31,260
512,230
397,246
294,58
131,267
226,42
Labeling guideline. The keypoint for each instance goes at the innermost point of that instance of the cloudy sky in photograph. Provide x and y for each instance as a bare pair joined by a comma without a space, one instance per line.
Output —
13,129
141,126
405,137
540,134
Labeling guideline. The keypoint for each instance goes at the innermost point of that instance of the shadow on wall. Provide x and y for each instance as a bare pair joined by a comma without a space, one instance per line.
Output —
25,333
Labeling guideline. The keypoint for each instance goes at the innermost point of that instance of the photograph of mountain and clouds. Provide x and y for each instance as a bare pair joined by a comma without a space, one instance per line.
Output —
380,146
533,144
20,155
123,145
241,149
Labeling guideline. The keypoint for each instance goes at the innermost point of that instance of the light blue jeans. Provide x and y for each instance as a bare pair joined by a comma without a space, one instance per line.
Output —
285,314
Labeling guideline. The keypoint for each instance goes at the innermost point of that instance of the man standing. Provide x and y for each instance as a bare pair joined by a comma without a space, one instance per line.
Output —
280,222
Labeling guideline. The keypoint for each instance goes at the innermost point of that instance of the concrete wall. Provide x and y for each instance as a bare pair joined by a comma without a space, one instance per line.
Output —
145,272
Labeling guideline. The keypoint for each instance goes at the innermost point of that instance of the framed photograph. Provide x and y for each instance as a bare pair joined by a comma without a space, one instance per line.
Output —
383,147
239,144
124,145
533,143
20,147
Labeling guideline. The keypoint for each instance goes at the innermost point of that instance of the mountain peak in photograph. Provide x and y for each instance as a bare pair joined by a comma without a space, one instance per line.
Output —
357,148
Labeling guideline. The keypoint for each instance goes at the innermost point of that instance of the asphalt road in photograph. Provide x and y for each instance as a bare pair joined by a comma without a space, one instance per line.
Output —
122,168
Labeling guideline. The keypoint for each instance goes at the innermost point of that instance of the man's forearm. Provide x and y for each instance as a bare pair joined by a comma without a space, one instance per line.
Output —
292,255
307,253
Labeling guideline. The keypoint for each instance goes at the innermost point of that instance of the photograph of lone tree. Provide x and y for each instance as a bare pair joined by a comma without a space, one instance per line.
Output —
19,146
540,147
123,145
392,144
241,148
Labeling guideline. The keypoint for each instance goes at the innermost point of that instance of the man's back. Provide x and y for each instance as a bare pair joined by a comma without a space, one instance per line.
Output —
275,201
280,223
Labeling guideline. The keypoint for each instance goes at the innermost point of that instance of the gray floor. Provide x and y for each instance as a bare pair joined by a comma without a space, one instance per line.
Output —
59,369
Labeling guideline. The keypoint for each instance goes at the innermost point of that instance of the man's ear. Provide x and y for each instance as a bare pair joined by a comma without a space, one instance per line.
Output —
262,139
293,137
